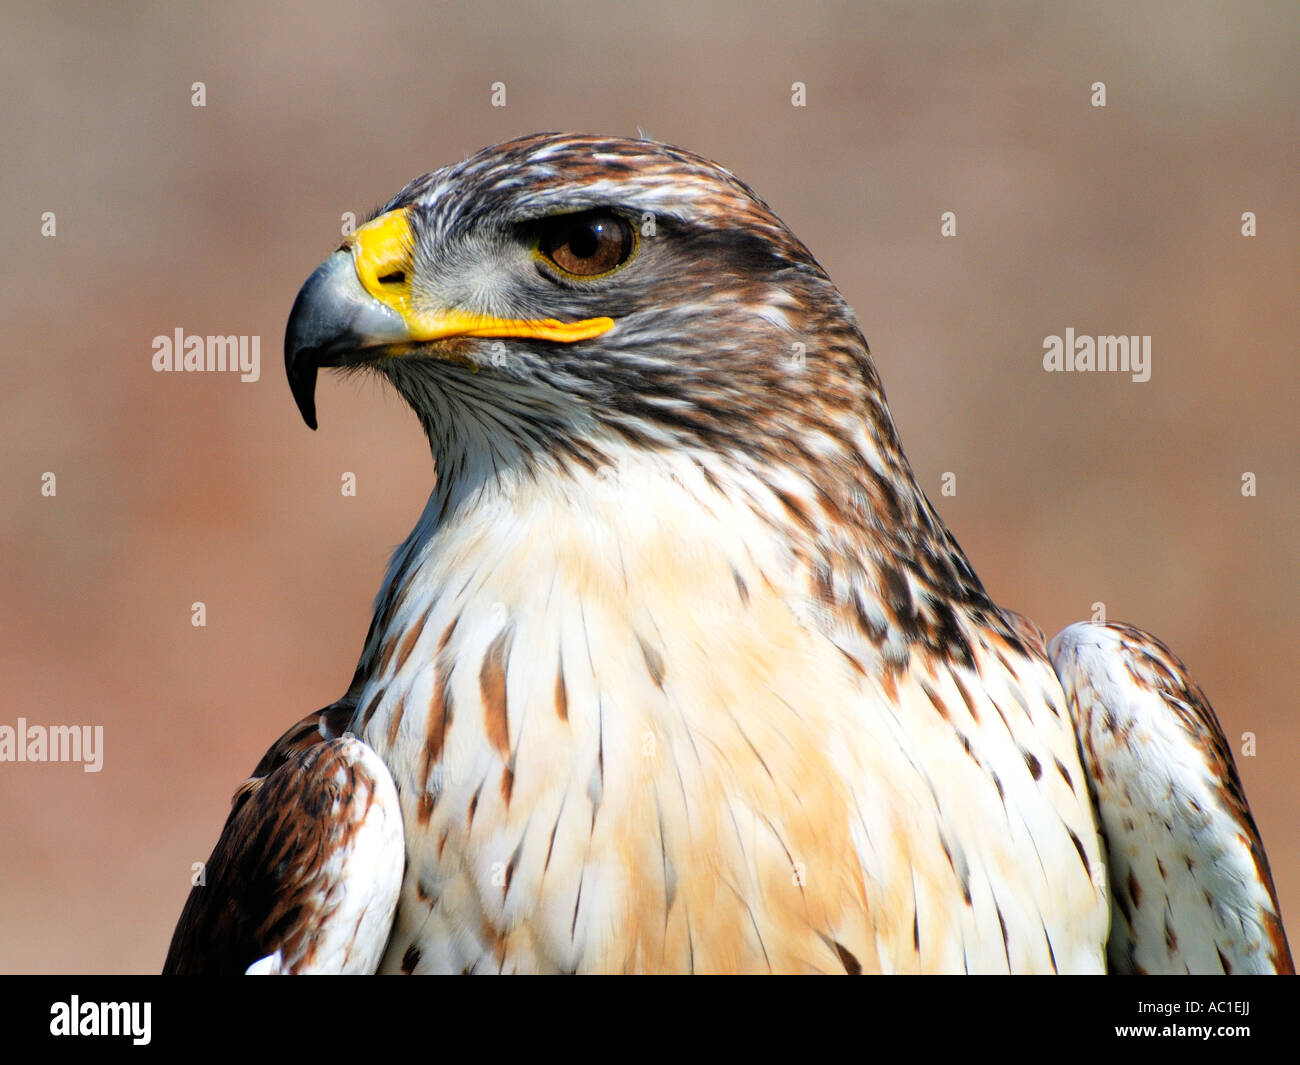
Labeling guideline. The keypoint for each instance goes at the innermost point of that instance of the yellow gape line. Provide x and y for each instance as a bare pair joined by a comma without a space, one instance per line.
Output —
383,253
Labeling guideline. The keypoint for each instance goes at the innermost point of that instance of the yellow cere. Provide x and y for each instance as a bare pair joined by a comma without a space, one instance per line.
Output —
382,251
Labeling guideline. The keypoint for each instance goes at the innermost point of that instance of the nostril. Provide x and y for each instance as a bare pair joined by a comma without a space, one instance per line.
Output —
394,278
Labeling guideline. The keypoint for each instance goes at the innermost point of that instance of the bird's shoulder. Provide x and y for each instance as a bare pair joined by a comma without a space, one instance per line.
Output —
1190,884
306,873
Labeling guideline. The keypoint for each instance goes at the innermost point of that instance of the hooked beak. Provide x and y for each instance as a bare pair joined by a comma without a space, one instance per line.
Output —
357,307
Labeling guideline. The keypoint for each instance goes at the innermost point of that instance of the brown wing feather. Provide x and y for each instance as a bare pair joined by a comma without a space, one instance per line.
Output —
1190,885
313,842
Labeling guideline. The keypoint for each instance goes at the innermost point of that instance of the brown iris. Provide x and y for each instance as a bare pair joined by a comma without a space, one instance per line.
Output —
586,244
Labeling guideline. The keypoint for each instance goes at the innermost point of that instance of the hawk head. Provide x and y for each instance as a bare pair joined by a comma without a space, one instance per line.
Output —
554,296
563,302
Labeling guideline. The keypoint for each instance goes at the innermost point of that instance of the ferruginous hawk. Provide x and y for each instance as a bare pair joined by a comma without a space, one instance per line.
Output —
679,670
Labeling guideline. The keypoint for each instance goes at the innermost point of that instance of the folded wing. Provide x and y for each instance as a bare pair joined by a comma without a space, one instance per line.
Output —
306,875
1190,885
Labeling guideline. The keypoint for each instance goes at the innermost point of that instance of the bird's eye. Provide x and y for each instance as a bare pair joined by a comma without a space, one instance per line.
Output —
586,244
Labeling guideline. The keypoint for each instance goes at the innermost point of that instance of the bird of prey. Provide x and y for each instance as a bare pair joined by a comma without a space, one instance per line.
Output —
679,670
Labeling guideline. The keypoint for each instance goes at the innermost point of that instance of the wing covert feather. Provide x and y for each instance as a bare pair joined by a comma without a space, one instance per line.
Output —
306,875
1191,889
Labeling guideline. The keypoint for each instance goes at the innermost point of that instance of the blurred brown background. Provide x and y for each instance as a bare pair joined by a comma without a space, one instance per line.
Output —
1071,489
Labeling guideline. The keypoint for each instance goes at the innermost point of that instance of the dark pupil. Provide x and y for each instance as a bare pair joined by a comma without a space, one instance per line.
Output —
588,244
584,241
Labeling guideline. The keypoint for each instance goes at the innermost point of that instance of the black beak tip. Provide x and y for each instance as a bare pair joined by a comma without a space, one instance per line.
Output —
300,366
300,362
304,394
